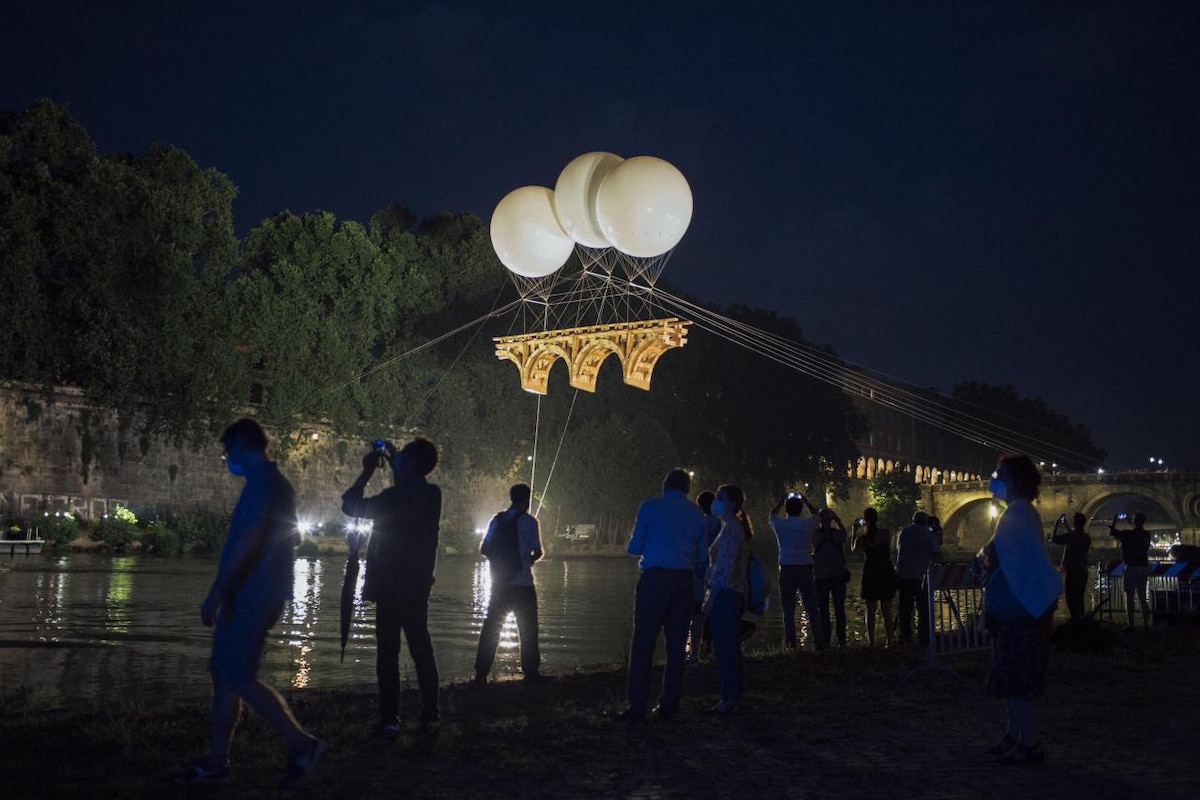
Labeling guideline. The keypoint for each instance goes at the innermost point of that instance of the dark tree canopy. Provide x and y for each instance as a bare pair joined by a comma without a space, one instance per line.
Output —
129,282
1067,443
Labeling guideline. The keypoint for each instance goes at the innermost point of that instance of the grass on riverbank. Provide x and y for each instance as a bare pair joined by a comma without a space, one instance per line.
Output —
845,717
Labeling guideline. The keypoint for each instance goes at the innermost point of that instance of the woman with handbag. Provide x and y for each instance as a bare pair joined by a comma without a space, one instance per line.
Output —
1021,589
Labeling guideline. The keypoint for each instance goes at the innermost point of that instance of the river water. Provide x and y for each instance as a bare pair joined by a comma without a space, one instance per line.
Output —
84,630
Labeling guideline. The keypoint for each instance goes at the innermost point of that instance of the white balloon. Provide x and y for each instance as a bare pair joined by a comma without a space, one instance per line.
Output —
575,197
526,234
644,206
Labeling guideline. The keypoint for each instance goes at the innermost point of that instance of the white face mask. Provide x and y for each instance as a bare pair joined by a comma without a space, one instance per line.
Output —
999,489
718,507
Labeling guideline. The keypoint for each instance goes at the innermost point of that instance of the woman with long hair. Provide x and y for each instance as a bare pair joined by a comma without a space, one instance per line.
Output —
1021,589
725,598
879,576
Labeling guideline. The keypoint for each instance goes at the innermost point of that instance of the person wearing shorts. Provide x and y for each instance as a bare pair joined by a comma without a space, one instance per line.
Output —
254,581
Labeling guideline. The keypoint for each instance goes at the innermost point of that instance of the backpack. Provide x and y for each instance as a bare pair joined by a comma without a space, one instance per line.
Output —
756,587
504,550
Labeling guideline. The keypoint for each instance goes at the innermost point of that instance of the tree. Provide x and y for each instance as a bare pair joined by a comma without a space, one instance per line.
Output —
895,495
115,265
1050,434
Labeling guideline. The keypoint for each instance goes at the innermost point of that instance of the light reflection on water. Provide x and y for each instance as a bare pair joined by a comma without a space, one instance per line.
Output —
87,630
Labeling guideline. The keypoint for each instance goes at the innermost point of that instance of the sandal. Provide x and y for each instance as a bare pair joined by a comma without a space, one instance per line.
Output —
1003,746
1021,754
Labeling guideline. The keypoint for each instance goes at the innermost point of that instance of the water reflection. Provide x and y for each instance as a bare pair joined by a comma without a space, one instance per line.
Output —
90,630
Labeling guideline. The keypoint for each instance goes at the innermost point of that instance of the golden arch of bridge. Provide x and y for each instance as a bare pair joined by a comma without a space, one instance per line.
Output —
1176,494
638,345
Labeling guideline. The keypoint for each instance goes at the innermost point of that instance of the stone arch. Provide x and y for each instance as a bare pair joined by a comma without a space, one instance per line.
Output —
586,364
961,525
1095,503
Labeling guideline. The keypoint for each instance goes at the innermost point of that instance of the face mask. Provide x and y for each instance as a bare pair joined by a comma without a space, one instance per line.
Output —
235,467
999,489
718,507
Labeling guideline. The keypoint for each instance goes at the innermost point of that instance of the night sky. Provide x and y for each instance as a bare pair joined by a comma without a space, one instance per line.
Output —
1003,192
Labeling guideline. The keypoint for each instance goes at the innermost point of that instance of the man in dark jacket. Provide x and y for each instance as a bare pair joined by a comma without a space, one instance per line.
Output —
401,558
1076,544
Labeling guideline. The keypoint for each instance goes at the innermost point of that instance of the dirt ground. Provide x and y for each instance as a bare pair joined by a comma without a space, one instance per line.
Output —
854,723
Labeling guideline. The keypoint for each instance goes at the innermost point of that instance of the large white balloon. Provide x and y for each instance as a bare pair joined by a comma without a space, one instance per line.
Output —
644,206
575,197
526,234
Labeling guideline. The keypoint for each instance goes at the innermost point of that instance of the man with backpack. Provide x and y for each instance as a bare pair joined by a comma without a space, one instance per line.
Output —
511,545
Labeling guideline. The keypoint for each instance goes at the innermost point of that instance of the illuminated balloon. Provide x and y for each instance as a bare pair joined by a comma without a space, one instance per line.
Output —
575,197
526,234
644,206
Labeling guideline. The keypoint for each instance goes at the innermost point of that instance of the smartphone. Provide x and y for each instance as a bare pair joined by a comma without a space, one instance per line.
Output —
1062,519
1122,515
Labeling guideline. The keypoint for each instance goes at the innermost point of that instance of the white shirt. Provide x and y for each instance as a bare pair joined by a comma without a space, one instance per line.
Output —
795,539
529,539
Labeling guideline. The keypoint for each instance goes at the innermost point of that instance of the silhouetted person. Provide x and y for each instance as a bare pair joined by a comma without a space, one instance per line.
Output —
879,576
254,580
794,532
512,544
829,575
725,600
401,557
699,635
1076,544
1020,591
1135,552
939,535
916,548
667,535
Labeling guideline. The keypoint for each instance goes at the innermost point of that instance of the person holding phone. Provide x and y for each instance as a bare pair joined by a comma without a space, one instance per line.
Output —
1135,552
1074,565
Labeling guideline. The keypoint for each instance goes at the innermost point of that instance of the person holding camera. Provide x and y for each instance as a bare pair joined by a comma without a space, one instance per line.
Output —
1135,552
878,585
830,575
794,532
1074,565
401,557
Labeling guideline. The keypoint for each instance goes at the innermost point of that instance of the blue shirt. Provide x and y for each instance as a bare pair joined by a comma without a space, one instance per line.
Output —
795,539
668,532
264,517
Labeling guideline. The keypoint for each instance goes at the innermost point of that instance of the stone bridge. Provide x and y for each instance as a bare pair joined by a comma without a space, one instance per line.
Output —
1171,501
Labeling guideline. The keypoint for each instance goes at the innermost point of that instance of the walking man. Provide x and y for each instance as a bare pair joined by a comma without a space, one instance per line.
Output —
512,544
254,580
401,557
667,536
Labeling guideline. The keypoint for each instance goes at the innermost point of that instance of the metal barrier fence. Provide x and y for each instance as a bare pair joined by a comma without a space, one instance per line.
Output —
954,605
1172,592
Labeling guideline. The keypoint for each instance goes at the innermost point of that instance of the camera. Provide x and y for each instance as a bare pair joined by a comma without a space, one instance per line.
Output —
381,446
1122,515
796,495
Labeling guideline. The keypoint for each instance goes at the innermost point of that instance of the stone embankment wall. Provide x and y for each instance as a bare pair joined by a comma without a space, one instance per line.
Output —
57,453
